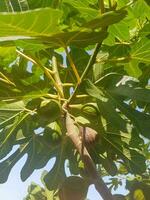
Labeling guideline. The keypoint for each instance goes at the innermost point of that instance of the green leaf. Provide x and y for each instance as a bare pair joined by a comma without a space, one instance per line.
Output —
145,31
106,19
137,93
3,6
36,192
91,89
140,120
41,147
147,2
138,195
56,175
141,9
53,131
15,5
30,23
7,136
39,152
43,3
141,51
49,111
133,160
120,31
133,69
7,55
46,32
80,58
98,70
108,111
8,111
118,53
77,38
82,120
84,8
124,86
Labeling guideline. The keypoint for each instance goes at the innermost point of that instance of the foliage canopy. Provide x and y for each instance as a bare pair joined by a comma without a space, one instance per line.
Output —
74,85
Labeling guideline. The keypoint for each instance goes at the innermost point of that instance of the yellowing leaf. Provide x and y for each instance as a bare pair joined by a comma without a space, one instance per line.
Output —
138,195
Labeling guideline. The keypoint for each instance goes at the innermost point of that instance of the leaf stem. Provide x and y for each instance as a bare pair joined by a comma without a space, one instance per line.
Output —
67,84
88,67
46,71
110,4
6,80
72,65
56,97
82,96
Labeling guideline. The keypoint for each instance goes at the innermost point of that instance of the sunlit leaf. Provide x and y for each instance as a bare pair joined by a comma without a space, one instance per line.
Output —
30,23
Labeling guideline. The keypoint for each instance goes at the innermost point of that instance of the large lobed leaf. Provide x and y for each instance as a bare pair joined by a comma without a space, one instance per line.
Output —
51,32
122,121
30,23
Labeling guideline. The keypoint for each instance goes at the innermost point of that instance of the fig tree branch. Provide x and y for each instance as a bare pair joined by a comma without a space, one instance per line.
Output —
46,71
100,186
56,74
73,66
85,72
102,7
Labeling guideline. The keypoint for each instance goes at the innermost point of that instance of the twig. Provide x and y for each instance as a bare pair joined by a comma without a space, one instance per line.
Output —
73,66
56,74
102,7
88,67
6,80
82,96
67,84
46,71
53,96
110,5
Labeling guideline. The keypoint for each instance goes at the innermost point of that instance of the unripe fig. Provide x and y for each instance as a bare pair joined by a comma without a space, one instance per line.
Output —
90,110
73,188
49,111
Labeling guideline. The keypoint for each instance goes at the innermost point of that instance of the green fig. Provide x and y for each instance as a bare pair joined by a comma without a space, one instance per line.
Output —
90,109
49,111
73,188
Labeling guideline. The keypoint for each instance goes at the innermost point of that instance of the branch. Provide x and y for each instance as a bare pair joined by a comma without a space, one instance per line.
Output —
46,71
102,7
85,72
72,65
110,4
56,74
92,58
72,133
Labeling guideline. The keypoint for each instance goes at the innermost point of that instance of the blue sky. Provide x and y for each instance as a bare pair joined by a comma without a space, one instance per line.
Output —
15,189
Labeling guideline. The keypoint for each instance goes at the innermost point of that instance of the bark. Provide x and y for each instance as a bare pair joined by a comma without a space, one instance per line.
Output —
87,160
